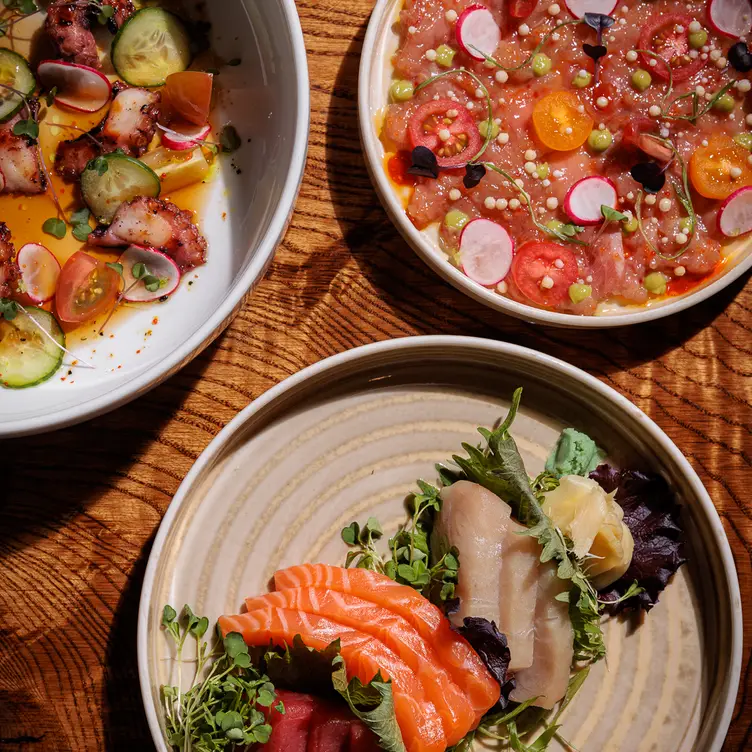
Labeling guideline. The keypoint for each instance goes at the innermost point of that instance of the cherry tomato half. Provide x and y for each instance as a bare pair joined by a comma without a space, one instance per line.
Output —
86,288
448,130
712,167
661,35
559,124
535,261
189,95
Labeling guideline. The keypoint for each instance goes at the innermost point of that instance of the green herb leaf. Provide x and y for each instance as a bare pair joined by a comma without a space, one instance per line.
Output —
351,534
105,14
28,128
81,232
98,164
49,97
115,266
229,139
55,227
152,283
139,270
168,615
612,215
8,309
80,216
235,644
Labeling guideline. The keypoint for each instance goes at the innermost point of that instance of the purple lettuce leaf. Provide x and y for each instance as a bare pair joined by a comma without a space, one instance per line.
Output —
652,515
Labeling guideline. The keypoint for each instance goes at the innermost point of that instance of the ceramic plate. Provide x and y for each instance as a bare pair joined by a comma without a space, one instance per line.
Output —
244,218
380,43
348,437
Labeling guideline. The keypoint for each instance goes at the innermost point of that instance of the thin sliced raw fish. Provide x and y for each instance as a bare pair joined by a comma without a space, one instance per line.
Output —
330,728
365,657
460,660
397,634
362,739
290,729
548,677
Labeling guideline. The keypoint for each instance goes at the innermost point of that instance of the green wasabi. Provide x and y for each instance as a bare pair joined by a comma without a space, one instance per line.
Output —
575,453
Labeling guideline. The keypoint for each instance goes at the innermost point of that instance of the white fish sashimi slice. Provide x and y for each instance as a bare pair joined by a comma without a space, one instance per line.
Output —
518,593
548,677
475,521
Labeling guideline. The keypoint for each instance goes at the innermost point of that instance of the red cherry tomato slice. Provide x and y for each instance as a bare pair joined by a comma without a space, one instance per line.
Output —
535,261
189,94
661,36
435,119
521,8
86,288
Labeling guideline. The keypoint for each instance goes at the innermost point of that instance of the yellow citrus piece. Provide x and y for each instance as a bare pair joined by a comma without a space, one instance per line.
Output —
561,122
720,168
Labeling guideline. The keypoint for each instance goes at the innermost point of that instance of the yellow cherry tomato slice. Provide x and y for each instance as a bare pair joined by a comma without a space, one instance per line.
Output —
720,168
560,121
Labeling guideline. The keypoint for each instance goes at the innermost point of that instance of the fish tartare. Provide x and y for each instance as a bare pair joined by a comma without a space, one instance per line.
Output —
580,154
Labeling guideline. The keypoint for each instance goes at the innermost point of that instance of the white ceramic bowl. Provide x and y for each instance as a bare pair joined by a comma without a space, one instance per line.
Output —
267,98
347,437
373,95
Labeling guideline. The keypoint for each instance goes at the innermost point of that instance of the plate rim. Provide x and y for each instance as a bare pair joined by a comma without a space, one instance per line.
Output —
426,249
449,342
237,293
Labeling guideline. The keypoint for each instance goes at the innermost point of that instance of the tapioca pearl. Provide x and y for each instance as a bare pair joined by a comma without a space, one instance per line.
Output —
502,101
531,154
744,85
654,111
430,55
559,264
650,199
680,238
664,240
520,183
721,63
624,9
695,26
556,36
748,119
632,56
735,172
479,93
501,76
601,103
546,182
497,121
653,263
622,22
665,133
581,108
524,30
700,90
679,29
546,282
501,204
705,48
436,97
490,202
704,142
530,167
568,131
589,278
552,203
554,9
630,196
470,105
453,113
693,54
444,134
451,15
514,203
715,54
704,56
454,194
540,210
502,287
653,62
502,138
680,271
558,174
412,30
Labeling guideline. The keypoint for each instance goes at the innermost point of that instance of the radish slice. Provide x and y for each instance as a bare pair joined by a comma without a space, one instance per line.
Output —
735,214
79,87
585,198
733,18
486,251
185,137
39,272
578,8
478,34
157,264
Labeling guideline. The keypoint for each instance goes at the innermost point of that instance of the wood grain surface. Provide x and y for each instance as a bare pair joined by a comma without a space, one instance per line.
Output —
80,507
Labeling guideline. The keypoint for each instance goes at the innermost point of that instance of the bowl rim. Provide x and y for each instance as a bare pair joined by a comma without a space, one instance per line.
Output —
448,343
236,295
427,250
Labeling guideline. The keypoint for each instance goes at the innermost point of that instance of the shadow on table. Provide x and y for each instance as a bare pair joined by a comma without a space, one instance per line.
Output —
428,305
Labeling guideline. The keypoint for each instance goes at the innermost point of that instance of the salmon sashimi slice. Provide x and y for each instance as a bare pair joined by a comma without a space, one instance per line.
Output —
397,634
548,677
364,656
290,729
460,660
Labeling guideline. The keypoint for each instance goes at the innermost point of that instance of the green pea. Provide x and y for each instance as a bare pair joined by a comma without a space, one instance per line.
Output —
555,225
581,81
630,225
726,103
483,128
698,39
401,91
600,140
543,170
456,219
541,65
641,79
655,283
444,55
578,293
744,139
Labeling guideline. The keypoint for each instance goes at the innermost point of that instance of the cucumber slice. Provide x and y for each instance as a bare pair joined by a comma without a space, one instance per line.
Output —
124,179
27,357
14,72
151,45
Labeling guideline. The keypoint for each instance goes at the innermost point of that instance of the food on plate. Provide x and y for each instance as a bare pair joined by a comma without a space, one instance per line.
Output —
578,156
78,143
480,616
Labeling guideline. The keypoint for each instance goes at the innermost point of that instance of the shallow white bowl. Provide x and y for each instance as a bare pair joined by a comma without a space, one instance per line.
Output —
373,96
346,438
267,98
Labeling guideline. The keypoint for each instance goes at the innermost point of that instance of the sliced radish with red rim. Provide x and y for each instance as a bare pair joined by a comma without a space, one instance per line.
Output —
39,271
78,87
477,32
732,18
157,265
486,251
585,198
735,214
578,8
185,136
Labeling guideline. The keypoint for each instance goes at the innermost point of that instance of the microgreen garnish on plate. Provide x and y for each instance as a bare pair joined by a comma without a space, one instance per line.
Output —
55,226
8,309
79,222
20,9
740,58
599,22
650,175
229,139
474,173
423,163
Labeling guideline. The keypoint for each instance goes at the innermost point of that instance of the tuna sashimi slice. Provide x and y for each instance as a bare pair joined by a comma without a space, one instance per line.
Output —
365,657
475,521
397,634
518,592
330,728
460,660
290,729
548,677
362,739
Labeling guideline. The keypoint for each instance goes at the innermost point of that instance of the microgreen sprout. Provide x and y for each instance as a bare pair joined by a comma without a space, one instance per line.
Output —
141,275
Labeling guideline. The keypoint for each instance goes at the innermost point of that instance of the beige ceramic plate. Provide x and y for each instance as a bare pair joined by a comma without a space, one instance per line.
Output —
347,438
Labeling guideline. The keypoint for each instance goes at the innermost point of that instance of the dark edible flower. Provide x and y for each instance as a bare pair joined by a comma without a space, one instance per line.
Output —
474,173
595,51
599,21
650,175
740,57
424,163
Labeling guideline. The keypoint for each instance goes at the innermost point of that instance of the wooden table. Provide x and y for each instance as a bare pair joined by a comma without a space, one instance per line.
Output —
79,508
